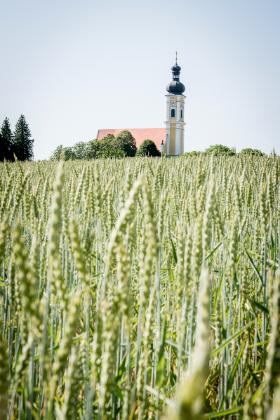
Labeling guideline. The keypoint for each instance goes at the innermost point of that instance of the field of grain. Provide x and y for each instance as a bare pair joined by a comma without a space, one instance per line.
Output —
140,289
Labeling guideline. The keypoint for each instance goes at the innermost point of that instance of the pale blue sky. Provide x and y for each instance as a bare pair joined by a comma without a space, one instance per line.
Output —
75,66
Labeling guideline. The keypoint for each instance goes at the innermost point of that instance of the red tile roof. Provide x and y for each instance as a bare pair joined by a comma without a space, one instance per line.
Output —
140,134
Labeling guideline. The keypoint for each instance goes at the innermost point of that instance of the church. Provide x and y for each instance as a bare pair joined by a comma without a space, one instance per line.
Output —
169,140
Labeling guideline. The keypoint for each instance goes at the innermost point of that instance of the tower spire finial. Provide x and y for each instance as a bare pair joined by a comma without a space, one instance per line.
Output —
176,58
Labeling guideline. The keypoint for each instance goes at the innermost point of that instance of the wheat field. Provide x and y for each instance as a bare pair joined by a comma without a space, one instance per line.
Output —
140,289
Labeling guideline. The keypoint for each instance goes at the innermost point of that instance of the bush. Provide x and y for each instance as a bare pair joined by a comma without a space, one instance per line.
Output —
251,152
148,148
192,153
220,149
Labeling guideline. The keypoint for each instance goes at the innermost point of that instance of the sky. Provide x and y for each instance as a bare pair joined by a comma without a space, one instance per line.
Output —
72,67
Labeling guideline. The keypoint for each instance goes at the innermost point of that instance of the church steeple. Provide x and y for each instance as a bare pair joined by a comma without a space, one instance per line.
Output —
174,144
175,86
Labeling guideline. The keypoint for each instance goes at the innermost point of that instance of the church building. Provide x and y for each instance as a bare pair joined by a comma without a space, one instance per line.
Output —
169,140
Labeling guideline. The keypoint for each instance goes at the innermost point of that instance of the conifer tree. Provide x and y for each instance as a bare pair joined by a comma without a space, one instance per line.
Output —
2,151
23,143
6,141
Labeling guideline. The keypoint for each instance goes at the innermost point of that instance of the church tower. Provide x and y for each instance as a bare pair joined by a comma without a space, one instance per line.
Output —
175,101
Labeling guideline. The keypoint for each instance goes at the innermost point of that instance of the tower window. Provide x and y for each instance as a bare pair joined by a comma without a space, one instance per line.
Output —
172,113
181,113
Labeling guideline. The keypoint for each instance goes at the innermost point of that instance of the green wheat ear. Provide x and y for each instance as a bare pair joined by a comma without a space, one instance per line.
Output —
274,412
272,372
64,350
188,403
105,301
4,377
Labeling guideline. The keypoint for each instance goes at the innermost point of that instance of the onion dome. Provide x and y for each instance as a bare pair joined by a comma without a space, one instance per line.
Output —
175,86
176,69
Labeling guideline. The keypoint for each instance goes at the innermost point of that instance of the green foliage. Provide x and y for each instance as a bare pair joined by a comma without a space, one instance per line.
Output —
69,154
2,148
6,141
251,152
109,137
80,150
23,143
148,148
193,153
57,154
220,149
124,145
105,148
126,142
63,153
94,149
109,147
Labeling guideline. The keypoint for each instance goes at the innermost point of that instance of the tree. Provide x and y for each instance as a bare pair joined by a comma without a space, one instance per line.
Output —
148,148
220,149
68,153
94,149
6,141
126,142
80,150
2,148
23,143
109,137
57,154
251,152
108,147
63,153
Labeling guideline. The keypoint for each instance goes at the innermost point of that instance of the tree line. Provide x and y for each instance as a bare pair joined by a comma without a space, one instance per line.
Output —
17,144
110,146
222,150
125,145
